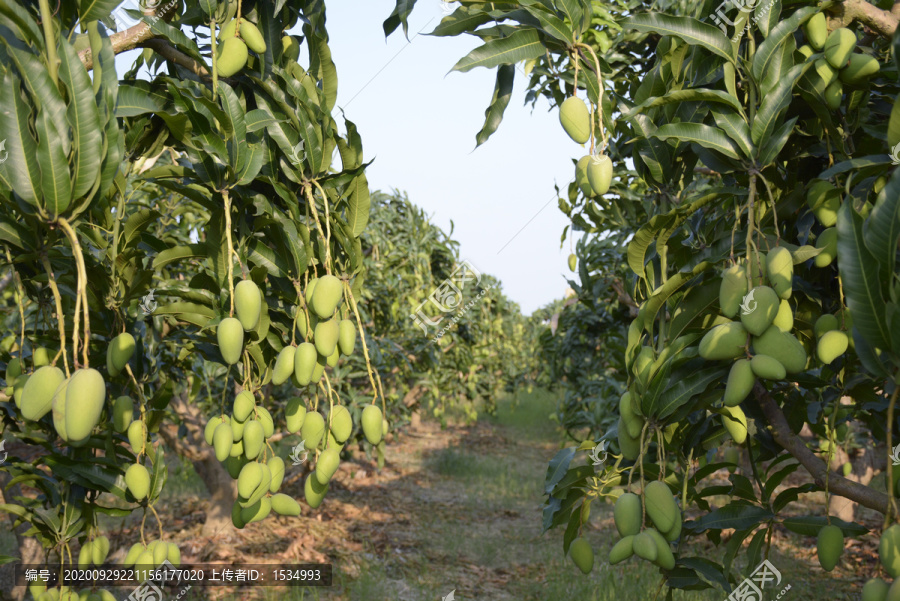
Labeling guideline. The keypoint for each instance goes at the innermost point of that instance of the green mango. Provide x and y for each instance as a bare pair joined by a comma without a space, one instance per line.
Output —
875,589
85,400
283,504
767,367
265,418
664,557
314,491
290,48
660,505
832,345
326,337
725,341
783,347
629,445
600,172
740,383
780,270
249,479
732,290
628,514
231,56
827,241
294,414
313,430
735,422
253,439
346,336
119,353
137,479
833,95
582,555
327,465
645,546
276,469
622,550
583,183
244,404
860,68
247,302
284,365
99,550
230,335
830,546
223,440
371,424
816,31
341,423
575,119
825,323
305,362
38,390
784,319
325,298
123,413
824,200
839,46
763,303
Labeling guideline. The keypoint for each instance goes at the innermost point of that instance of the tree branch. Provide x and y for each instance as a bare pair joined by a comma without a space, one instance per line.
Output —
167,51
131,37
837,484
883,22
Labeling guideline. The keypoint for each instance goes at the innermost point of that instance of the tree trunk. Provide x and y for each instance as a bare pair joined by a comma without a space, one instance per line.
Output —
222,489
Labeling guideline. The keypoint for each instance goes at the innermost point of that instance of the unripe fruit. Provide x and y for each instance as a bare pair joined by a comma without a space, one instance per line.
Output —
839,46
847,468
889,550
824,200
575,118
660,504
829,546
326,296
283,504
85,554
40,357
59,409
371,424
573,262
735,422
13,370
123,413
875,589
582,555
346,336
132,555
248,32
305,362
236,517
249,479
313,429
137,479
99,550
333,359
645,546
827,241
581,176
276,469
673,534
630,446
633,424
732,290
767,367
234,465
284,365
211,427
265,418
137,435
258,511
821,75
643,364
244,403
223,439
628,514
621,551
119,353
253,439
173,554
725,341
310,291
825,323
230,335
806,50
832,345
860,68
783,347
664,557
231,56
600,173
757,270
780,269
237,430
816,31
294,414
784,319
326,337
327,465
247,301
341,423
764,303
290,48
85,399
37,393
318,370
833,94
740,383
313,491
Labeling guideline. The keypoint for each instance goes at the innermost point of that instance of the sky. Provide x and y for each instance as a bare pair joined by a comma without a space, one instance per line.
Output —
418,121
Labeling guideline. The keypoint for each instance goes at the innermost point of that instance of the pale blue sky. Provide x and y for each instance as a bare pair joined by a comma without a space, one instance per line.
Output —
419,123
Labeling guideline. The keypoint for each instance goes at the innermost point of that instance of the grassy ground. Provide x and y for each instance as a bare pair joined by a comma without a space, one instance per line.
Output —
453,509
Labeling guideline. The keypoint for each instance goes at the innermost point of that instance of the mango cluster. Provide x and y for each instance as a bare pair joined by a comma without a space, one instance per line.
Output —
835,62
232,50
327,438
39,592
877,589
653,542
593,173
765,324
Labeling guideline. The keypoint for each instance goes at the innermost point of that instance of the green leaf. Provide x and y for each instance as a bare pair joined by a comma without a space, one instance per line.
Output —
179,253
872,160
209,6
462,20
44,93
493,115
132,102
735,126
690,30
809,525
704,135
359,203
94,10
557,468
893,130
640,243
734,515
776,37
552,25
398,17
860,274
21,171
774,102
694,95
769,152
258,119
260,254
522,45
659,297
55,183
882,228
684,388
83,117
